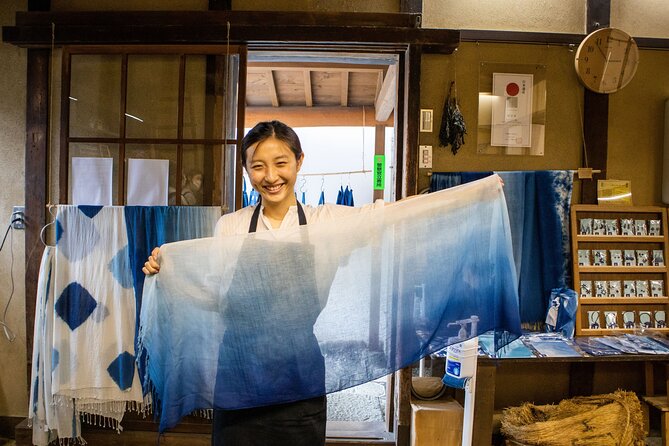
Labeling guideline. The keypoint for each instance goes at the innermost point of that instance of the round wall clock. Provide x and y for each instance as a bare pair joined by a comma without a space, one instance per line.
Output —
606,60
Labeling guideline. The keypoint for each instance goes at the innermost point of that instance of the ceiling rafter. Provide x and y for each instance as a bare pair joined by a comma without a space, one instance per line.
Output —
344,88
272,88
308,94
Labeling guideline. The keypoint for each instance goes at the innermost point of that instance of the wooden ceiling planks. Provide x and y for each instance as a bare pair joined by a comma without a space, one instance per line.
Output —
312,85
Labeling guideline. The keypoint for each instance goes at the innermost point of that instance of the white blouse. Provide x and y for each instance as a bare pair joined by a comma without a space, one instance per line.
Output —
238,222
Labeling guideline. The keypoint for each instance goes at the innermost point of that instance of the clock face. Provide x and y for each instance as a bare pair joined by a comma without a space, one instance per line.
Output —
606,60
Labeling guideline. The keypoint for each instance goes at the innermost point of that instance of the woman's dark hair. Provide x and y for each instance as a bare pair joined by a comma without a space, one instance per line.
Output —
268,129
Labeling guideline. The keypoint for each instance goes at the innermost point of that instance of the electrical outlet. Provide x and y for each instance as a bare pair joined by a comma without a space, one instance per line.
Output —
19,212
425,157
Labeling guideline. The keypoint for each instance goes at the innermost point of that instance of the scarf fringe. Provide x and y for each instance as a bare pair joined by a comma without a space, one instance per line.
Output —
71,441
207,414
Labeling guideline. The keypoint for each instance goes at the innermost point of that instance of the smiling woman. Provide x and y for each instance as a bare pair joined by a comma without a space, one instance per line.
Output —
272,156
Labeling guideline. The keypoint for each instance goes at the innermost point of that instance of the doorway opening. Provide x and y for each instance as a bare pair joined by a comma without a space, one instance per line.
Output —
342,106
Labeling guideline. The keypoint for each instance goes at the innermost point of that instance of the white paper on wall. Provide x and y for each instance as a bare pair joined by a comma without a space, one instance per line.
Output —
92,181
512,110
148,182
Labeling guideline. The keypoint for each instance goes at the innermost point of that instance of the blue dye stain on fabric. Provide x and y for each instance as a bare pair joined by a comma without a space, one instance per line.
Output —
55,359
75,305
119,266
59,231
90,211
72,247
122,370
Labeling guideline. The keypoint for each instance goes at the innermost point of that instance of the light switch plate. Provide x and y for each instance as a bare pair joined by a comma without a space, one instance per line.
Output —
425,157
426,115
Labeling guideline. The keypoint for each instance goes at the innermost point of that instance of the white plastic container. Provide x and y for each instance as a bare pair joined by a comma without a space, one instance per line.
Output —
461,358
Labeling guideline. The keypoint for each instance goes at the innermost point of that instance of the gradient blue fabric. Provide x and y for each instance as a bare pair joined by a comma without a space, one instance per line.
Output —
150,226
284,315
538,203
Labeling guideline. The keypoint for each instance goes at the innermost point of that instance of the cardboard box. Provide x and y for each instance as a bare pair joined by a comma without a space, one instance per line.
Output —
436,423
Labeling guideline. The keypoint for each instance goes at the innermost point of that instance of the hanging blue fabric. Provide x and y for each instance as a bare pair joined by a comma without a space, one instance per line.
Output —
304,198
322,199
538,204
340,195
350,198
233,302
253,197
245,196
151,226
346,197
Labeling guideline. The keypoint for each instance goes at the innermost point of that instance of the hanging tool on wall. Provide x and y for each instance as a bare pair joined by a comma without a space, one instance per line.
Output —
453,128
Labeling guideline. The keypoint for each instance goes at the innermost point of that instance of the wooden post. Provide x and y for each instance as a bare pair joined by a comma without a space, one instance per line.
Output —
486,373
36,187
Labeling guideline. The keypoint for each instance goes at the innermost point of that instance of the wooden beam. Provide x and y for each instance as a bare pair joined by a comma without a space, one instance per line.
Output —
202,27
486,375
595,112
415,6
39,5
379,84
313,117
36,175
411,119
317,66
403,415
387,97
308,96
595,144
220,5
206,18
598,14
344,89
480,35
274,96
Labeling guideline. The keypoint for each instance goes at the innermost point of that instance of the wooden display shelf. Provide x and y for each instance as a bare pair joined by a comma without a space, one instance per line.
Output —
623,300
619,305
623,269
615,331
621,238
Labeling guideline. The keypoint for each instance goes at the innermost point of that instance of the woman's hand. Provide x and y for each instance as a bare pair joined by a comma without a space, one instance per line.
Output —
151,266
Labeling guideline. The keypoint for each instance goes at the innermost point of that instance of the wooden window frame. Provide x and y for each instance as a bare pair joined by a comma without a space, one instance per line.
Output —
215,186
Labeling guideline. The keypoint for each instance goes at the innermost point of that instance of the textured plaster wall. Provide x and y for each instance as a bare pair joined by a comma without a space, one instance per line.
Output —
559,16
636,128
641,18
564,97
13,374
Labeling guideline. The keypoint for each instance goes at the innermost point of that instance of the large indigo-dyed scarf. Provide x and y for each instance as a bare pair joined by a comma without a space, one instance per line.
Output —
289,314
538,203
86,312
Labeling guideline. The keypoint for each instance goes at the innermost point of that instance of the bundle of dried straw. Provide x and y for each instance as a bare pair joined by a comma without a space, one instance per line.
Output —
598,420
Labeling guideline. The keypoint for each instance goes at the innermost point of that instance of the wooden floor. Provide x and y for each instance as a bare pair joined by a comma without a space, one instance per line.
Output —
197,433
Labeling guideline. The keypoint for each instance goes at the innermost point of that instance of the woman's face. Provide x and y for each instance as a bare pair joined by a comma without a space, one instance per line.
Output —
272,169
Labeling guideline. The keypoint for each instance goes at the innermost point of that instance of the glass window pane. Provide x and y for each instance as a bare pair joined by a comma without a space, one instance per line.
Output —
95,150
197,110
152,98
205,94
198,169
95,95
157,151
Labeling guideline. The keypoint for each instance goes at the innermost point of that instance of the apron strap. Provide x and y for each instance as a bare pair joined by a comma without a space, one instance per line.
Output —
302,219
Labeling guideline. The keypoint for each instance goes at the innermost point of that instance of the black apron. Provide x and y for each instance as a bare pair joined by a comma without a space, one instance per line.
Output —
300,423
